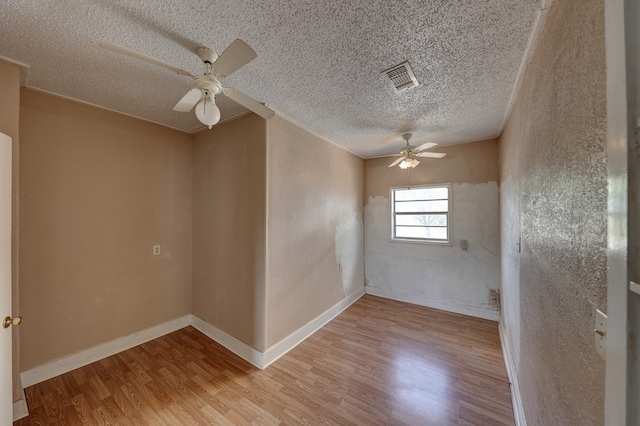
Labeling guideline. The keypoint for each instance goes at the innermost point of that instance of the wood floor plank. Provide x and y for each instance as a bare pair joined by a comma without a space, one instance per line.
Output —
380,362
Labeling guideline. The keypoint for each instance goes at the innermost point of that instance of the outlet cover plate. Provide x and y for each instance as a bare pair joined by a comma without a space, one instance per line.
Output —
601,339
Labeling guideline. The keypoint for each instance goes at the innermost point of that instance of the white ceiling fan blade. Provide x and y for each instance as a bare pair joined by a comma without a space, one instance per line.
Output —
397,161
235,57
384,156
249,103
425,146
188,101
431,154
133,54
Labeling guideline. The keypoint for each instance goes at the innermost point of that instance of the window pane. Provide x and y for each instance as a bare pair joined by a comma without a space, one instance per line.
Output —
422,206
421,194
426,232
422,219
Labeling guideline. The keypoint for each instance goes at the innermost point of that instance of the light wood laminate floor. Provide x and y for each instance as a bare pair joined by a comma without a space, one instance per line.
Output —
380,362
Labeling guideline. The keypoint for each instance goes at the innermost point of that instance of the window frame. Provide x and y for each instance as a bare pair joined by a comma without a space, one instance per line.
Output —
431,241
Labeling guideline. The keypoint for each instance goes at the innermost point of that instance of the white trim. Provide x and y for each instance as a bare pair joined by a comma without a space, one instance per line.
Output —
516,398
294,339
235,345
316,134
126,114
474,311
20,409
255,357
526,58
622,62
449,213
63,365
260,359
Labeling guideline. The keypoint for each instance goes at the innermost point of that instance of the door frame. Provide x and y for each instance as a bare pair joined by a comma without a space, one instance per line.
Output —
622,18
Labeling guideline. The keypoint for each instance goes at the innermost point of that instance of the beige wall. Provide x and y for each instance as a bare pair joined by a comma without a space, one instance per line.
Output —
9,125
229,228
474,162
441,276
98,189
554,196
315,248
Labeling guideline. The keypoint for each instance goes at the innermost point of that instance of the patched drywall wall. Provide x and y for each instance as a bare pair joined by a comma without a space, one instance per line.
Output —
444,276
557,190
229,228
315,253
510,239
9,125
98,190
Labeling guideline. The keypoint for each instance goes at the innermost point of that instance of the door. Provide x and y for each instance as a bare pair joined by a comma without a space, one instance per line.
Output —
6,391
622,35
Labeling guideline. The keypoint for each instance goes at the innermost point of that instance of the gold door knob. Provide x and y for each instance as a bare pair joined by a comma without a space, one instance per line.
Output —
11,321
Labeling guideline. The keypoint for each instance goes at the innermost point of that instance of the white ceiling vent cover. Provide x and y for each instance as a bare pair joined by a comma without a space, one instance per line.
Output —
401,76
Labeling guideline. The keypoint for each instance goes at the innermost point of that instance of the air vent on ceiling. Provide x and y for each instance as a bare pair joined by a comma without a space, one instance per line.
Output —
401,76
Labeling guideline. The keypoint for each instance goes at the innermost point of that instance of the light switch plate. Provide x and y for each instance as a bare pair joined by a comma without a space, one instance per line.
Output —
600,333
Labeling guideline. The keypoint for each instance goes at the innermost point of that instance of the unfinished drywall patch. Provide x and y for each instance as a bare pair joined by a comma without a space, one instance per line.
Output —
314,202
349,241
444,274
510,264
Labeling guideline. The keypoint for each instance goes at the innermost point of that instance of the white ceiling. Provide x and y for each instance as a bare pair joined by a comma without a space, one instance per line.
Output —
319,61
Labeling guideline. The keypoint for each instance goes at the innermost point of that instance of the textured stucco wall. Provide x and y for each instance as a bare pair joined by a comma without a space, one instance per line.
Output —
438,275
229,234
315,247
553,182
98,190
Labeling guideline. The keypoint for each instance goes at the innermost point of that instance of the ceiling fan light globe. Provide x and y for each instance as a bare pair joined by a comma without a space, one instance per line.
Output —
207,112
409,163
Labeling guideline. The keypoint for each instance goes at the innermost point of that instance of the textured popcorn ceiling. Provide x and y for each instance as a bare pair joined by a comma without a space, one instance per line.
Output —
319,61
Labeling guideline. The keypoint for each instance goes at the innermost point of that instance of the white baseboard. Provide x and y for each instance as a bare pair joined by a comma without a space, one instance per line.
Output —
237,346
294,339
20,408
429,302
516,398
248,353
63,365
263,359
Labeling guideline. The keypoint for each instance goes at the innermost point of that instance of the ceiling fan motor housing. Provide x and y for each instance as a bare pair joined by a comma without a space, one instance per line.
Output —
207,55
208,83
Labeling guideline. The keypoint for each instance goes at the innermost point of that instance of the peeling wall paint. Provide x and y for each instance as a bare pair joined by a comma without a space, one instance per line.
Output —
554,197
446,277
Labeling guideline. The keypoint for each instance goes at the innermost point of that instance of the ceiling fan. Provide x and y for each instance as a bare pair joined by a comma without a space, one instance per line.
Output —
409,153
207,85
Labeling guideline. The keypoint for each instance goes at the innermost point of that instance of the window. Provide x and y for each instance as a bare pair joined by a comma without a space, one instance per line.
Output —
421,213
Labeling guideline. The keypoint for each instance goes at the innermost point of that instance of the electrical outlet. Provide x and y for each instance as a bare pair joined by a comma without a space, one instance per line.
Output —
601,334
156,250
